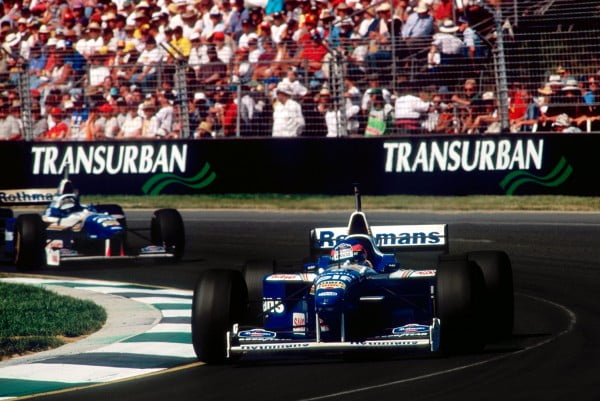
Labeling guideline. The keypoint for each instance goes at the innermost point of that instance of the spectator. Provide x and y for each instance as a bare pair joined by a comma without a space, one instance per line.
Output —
451,50
165,115
181,43
146,66
381,32
563,125
288,120
149,120
380,115
105,126
132,125
215,70
418,29
223,47
9,125
487,120
408,111
58,129
40,124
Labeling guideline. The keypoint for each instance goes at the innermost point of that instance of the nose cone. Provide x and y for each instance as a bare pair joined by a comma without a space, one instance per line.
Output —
331,288
329,294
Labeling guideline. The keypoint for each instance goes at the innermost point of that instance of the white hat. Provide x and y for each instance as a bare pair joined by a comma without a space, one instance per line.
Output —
488,95
570,85
199,96
421,8
194,36
448,26
285,87
60,45
562,121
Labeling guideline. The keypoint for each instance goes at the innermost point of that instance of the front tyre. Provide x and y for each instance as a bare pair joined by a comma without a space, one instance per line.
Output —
254,272
220,300
460,302
29,240
166,229
497,274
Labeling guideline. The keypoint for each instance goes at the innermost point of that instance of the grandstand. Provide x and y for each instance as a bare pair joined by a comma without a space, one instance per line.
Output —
212,68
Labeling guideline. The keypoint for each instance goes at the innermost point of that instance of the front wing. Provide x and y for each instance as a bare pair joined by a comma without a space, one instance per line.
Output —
237,345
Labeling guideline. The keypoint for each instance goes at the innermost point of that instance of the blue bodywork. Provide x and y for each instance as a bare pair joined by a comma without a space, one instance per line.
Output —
336,307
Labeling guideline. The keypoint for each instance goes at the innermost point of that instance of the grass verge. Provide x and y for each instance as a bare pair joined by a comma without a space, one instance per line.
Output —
34,319
322,202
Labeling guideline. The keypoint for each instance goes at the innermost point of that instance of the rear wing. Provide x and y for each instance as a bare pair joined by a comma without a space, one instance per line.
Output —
29,196
428,237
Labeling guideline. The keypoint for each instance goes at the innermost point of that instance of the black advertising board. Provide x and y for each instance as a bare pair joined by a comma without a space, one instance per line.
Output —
423,165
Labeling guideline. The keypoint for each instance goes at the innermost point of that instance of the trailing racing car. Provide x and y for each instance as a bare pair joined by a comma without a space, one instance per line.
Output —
357,295
68,230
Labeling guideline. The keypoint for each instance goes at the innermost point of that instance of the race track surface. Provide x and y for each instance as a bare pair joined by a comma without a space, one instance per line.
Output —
554,353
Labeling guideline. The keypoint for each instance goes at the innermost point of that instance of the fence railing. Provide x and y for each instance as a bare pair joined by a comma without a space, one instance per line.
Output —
431,85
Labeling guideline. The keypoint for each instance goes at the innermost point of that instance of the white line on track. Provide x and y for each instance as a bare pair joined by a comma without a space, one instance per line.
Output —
572,322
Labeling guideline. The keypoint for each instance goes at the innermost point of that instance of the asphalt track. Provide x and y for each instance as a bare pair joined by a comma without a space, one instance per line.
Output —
554,353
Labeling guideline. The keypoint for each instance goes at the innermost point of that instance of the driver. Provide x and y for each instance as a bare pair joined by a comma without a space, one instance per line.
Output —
350,252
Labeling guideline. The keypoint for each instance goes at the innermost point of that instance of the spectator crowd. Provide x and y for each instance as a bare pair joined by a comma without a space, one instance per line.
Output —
107,69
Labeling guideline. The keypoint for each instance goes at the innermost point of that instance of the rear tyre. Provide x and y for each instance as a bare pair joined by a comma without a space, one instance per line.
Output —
220,300
254,273
460,302
497,273
29,240
166,229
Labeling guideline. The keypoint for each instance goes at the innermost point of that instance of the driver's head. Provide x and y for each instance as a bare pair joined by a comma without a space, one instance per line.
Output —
349,252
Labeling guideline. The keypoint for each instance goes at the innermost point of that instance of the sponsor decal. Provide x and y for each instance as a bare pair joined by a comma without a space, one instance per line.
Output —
299,322
412,273
343,276
331,285
328,239
556,177
285,277
16,196
463,155
109,159
386,343
273,306
411,330
156,184
327,294
266,347
257,333
342,252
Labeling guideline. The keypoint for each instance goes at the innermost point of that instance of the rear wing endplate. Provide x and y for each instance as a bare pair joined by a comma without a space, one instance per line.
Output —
398,238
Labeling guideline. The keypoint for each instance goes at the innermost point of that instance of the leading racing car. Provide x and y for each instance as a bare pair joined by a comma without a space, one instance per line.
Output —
357,295
68,230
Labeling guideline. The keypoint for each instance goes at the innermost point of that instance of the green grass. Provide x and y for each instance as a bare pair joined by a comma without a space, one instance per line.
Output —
34,319
322,202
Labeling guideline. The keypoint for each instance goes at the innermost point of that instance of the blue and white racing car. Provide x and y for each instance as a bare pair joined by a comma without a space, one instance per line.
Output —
68,230
357,296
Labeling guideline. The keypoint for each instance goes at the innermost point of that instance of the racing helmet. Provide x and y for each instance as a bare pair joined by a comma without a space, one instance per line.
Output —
68,203
349,252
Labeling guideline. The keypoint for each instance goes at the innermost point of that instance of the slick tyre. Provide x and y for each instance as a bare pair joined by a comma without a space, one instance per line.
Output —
498,277
254,273
166,229
29,240
220,300
118,243
460,302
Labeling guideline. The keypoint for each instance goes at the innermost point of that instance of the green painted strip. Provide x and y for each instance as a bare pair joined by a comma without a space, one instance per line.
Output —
554,183
159,177
172,306
19,388
73,284
157,190
509,177
179,338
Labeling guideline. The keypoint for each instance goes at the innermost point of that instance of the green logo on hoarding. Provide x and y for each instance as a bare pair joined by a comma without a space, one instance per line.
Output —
557,176
157,183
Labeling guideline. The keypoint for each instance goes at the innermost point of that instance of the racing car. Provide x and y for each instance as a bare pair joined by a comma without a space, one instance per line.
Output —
68,230
355,295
